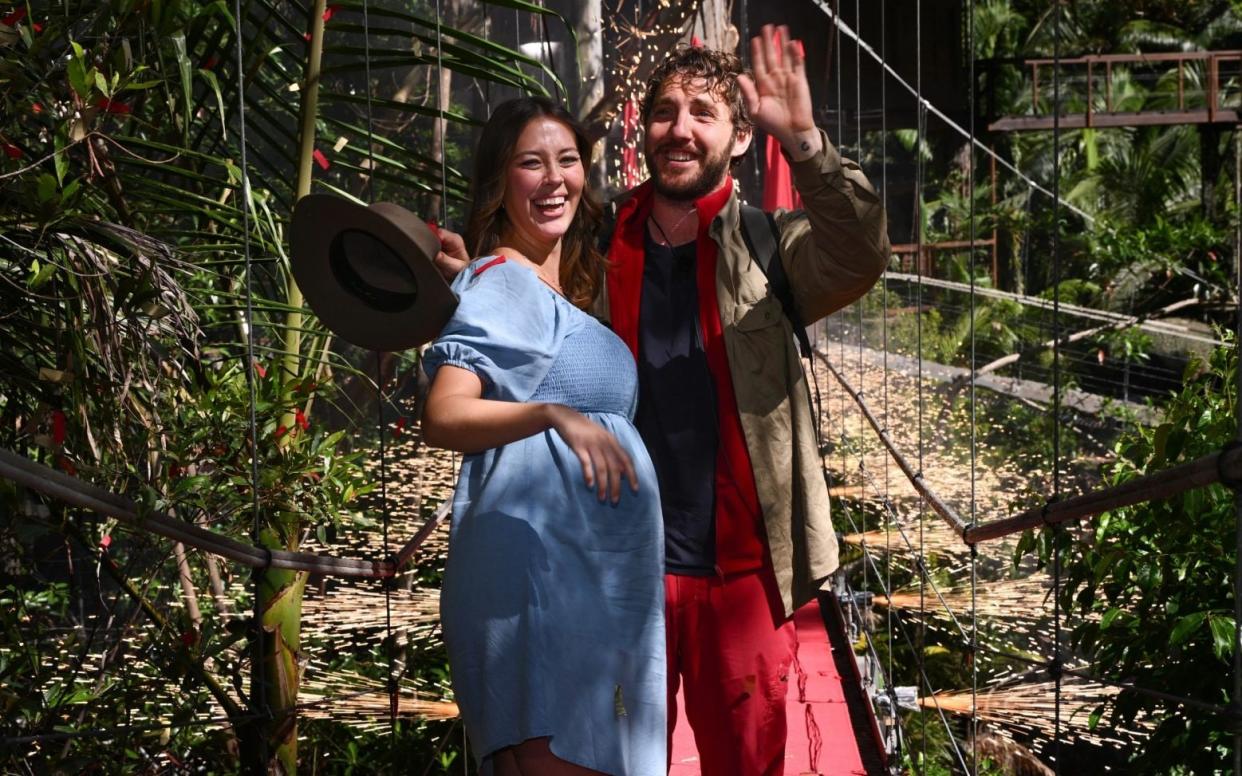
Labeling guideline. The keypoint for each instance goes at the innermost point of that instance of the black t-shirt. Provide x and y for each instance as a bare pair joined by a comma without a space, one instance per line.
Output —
677,406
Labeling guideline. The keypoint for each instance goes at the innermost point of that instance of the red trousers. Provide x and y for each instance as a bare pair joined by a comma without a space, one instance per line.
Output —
729,642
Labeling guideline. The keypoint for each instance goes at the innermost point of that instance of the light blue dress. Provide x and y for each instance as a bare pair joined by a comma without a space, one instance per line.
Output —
553,602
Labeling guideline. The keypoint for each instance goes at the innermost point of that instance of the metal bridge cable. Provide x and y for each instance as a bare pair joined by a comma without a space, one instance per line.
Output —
1167,328
929,107
1236,700
1056,379
888,530
858,304
974,550
258,690
389,642
442,119
918,317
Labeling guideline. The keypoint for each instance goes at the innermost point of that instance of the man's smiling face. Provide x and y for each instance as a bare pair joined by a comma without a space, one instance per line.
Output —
690,138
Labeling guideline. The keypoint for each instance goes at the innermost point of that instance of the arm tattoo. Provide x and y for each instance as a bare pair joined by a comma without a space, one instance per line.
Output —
806,146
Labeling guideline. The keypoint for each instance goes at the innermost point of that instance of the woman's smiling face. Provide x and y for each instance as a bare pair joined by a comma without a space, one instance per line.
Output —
543,184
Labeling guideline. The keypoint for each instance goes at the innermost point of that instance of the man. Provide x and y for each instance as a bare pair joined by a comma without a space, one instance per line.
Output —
723,403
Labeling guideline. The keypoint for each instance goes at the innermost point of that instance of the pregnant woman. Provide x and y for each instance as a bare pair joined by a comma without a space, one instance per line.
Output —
553,594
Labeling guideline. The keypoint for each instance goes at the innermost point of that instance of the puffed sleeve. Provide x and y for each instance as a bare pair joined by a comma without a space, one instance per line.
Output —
507,329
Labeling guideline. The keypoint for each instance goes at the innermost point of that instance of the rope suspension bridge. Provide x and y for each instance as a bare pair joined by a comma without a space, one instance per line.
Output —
926,553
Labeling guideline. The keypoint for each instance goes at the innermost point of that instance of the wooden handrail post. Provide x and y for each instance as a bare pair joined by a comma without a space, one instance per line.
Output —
1181,85
1213,86
1090,78
1108,86
1034,87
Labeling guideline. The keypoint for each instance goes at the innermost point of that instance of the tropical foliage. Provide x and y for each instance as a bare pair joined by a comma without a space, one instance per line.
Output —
155,344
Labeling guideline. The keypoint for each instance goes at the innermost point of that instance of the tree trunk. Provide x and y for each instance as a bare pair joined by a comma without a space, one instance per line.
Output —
712,27
188,593
586,19
276,672
280,609
444,88
292,351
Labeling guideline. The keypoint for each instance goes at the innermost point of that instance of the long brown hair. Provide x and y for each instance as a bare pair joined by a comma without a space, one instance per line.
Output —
582,265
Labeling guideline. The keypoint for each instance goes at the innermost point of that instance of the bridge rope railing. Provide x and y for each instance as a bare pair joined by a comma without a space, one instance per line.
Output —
1224,466
77,492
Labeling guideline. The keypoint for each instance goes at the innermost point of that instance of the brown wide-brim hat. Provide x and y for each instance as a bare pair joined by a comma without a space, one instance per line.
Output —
369,272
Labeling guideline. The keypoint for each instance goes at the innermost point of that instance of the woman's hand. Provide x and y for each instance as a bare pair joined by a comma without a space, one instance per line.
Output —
452,258
604,461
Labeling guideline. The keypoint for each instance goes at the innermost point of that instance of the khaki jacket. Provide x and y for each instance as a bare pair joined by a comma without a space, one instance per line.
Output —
833,251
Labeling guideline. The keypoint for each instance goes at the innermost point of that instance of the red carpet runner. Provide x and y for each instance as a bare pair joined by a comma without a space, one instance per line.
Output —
821,735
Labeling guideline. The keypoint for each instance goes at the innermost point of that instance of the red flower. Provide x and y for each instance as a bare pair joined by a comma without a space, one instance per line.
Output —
67,465
306,36
37,27
281,431
12,151
36,108
111,106
105,541
260,369
15,16
58,427
328,13
211,62
301,419
321,160
174,470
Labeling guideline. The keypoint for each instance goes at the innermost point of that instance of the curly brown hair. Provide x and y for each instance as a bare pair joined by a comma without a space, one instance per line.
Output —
582,265
719,69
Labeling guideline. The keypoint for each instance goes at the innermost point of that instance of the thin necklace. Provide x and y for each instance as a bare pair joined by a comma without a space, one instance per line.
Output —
548,283
680,221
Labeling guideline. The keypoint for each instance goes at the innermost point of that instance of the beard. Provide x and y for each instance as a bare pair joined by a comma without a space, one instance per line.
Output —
708,180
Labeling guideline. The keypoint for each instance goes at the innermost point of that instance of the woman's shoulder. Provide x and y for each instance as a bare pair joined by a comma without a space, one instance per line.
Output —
495,273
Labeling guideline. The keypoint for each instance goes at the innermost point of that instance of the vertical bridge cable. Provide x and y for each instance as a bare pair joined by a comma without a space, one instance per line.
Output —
889,516
441,107
974,550
390,644
465,744
858,305
1056,380
918,318
258,688
1236,701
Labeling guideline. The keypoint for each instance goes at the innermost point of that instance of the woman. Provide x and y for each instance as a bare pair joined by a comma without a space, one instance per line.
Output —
552,603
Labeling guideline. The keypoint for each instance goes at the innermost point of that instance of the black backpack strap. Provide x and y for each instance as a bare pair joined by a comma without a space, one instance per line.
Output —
763,239
607,227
